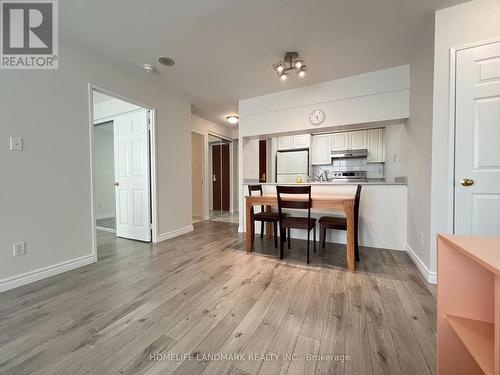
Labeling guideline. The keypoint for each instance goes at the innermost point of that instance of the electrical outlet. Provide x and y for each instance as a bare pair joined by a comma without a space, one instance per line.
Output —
16,144
19,248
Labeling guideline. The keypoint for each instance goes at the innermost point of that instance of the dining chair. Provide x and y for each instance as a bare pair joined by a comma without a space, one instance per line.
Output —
340,223
263,216
286,200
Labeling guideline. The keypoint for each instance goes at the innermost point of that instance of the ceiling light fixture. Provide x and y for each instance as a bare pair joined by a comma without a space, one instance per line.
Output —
232,119
167,61
148,68
291,62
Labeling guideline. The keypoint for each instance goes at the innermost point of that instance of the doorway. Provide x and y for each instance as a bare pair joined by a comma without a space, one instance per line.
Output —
477,141
122,140
220,172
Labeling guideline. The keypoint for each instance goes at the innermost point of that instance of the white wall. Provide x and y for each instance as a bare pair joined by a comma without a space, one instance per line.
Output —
198,171
416,140
104,170
377,96
45,191
458,26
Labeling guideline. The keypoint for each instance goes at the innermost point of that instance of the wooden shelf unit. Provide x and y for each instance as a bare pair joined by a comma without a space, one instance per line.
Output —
468,309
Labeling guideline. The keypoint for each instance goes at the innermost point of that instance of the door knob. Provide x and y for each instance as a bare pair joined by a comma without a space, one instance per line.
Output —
467,181
117,184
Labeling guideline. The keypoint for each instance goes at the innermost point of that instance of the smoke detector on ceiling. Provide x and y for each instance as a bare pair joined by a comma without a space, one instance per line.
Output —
148,68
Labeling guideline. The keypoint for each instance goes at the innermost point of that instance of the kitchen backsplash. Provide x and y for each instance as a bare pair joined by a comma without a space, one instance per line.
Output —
373,170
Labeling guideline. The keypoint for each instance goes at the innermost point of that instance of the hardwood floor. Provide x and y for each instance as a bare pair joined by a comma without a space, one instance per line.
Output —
202,294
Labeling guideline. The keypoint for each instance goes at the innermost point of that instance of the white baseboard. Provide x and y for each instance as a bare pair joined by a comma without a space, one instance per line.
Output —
103,229
174,233
431,277
43,273
104,216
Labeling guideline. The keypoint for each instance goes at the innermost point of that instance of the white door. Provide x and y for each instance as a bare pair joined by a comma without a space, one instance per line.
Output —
357,140
133,213
340,141
477,155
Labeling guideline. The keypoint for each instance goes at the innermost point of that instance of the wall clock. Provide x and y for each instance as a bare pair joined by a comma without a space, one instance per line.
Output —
317,117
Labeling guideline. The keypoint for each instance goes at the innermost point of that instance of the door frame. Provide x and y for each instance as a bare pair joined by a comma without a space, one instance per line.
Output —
452,126
152,157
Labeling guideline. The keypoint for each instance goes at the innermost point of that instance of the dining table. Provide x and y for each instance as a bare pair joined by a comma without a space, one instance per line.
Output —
343,202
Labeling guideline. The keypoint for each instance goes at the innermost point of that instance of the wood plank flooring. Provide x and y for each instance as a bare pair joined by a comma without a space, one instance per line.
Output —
171,308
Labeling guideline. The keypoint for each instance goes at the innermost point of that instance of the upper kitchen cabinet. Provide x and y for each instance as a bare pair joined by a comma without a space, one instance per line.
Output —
358,140
340,141
285,143
302,141
291,142
376,146
321,149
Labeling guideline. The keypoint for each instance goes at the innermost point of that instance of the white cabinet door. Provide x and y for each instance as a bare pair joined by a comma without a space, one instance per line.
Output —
285,143
358,140
302,141
477,157
340,141
376,146
321,149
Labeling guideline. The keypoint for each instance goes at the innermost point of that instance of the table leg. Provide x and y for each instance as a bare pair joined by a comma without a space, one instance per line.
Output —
349,213
248,224
269,229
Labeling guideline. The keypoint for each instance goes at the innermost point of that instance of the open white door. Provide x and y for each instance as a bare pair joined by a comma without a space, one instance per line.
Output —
477,151
132,172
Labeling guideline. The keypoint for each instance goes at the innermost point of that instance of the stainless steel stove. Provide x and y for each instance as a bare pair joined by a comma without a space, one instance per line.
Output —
349,176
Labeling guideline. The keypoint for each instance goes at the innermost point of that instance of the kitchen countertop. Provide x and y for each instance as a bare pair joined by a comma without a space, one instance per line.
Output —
370,181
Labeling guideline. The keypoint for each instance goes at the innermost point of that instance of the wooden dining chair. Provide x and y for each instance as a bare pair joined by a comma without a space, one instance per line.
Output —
286,200
340,223
263,216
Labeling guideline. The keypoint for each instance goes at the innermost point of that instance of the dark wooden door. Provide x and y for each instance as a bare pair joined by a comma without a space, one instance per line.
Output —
216,177
262,161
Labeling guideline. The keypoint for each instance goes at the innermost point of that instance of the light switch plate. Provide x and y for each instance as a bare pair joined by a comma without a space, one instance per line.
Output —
16,144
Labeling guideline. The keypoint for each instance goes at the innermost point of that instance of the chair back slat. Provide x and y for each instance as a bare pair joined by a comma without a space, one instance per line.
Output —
252,188
287,198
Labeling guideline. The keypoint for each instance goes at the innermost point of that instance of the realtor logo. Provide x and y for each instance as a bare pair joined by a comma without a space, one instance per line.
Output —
28,34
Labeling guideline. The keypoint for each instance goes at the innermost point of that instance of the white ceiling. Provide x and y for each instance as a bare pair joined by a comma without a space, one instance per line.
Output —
224,49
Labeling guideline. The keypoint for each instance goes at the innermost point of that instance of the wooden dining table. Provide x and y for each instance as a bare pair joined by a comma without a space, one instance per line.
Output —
344,202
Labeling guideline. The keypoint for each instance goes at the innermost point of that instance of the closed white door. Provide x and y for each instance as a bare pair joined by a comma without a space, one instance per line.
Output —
477,155
376,148
132,173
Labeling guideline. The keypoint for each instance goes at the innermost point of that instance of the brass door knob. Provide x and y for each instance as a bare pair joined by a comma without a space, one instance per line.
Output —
117,184
467,181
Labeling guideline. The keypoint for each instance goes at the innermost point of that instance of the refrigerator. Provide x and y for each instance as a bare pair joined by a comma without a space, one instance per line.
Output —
291,164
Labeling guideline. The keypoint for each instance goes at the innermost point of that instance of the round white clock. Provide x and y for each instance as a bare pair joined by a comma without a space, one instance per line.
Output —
316,117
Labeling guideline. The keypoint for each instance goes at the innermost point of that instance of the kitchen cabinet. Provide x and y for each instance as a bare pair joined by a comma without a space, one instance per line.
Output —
291,142
302,141
376,145
340,141
358,140
285,143
321,149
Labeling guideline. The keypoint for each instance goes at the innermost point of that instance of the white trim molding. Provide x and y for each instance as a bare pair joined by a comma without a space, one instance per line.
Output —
43,273
429,275
174,233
